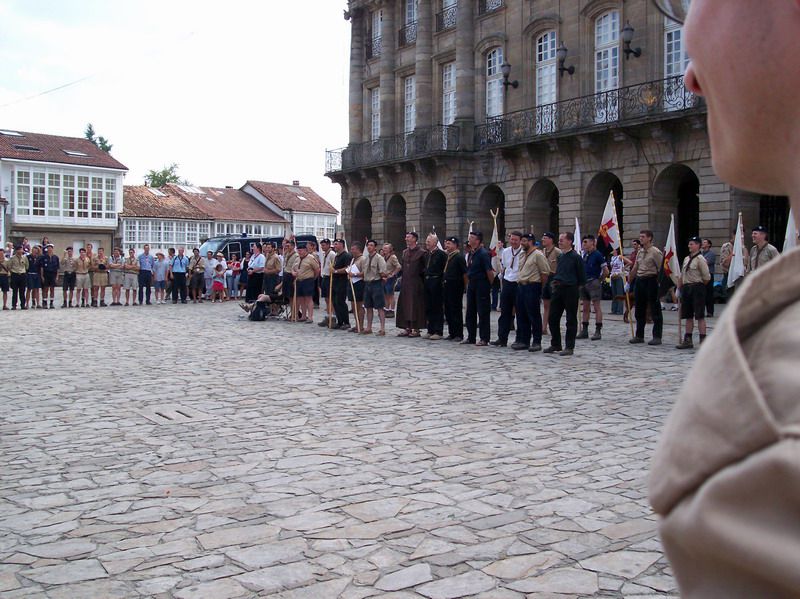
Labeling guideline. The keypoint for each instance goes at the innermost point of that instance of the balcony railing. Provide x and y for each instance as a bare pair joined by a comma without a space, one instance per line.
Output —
650,99
374,46
446,19
408,34
487,6
422,142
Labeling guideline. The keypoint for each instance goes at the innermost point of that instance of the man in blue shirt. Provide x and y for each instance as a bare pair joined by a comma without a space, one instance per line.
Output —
480,276
146,263
177,270
592,292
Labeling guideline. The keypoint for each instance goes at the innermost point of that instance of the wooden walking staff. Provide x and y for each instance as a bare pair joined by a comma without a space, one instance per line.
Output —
625,282
330,297
294,300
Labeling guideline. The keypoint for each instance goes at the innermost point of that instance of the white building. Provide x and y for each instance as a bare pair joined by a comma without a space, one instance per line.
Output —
64,188
307,212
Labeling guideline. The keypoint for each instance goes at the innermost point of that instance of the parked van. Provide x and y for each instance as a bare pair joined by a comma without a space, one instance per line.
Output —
233,244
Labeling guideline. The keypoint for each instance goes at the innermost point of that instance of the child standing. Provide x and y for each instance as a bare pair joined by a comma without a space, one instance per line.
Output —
218,284
160,277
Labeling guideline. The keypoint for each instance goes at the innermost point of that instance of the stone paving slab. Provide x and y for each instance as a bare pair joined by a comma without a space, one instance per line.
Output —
310,463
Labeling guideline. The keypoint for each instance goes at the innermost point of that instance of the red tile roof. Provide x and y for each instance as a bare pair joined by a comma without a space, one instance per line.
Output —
53,148
223,203
291,197
139,201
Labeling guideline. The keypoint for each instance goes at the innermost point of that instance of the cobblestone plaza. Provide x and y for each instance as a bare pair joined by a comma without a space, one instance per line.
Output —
181,451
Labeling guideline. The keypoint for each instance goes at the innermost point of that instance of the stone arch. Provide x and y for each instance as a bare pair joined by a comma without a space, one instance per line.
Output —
676,191
773,213
595,199
434,215
492,198
362,220
394,227
541,208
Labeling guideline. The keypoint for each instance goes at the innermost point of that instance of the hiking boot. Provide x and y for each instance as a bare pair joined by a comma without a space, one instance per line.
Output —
597,332
635,340
551,350
566,352
686,343
584,334
518,346
535,347
498,343
654,341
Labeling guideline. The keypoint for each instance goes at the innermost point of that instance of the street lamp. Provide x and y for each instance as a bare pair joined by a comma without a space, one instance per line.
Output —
627,38
505,68
561,54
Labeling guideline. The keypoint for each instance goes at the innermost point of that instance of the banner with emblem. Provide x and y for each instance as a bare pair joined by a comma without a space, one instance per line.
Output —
671,265
737,268
609,227
495,236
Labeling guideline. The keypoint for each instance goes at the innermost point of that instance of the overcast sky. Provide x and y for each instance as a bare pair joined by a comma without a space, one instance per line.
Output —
234,90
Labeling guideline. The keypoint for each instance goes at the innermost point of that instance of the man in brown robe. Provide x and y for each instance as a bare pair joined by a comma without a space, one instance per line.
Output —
411,303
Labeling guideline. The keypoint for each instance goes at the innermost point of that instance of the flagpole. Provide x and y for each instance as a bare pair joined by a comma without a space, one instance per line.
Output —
330,297
625,281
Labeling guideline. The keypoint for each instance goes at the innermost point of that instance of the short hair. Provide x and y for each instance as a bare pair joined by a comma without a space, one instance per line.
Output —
373,242
516,234
69,248
171,250
104,249
588,237
432,236
82,250
647,233
290,242
477,234
357,244
569,235
414,234
391,247
708,241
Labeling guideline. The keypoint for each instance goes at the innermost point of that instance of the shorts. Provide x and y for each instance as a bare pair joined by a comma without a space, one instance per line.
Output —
49,279
389,285
217,286
197,281
34,281
592,291
305,288
326,285
131,281
4,283
116,277
160,284
373,295
68,281
693,301
82,281
359,289
547,289
100,279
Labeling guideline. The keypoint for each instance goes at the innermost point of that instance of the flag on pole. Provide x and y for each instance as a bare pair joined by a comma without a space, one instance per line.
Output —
790,241
433,232
577,235
495,236
471,226
736,270
288,234
671,265
609,227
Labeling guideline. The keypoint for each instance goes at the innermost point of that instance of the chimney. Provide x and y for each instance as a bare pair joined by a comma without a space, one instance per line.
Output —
229,187
296,183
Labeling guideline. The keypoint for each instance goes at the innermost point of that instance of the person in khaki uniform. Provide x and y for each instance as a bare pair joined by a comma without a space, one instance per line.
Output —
83,282
534,269
18,268
5,277
395,268
306,270
100,265
649,261
551,252
725,478
68,277
692,284
130,282
762,251
375,273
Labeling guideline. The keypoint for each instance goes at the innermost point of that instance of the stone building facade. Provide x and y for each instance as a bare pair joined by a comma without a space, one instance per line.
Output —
439,136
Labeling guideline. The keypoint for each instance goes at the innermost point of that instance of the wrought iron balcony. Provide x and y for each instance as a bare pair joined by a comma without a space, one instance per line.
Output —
446,19
408,34
653,99
487,6
422,143
374,47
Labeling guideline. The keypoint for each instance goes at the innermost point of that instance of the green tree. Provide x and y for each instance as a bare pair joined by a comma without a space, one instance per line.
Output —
100,141
168,174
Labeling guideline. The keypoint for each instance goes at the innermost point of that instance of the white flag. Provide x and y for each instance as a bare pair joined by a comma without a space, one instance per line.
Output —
438,243
791,233
736,270
609,227
671,265
495,236
577,236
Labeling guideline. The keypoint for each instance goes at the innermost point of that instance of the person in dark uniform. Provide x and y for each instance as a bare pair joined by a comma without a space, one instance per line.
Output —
341,265
570,276
50,266
480,275
434,303
453,286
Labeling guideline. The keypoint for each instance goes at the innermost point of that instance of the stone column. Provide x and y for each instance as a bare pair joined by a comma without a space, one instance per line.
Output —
465,71
424,66
357,53
387,79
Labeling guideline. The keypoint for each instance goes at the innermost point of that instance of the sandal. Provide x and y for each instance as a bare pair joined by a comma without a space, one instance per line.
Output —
414,334
404,334
381,333
366,332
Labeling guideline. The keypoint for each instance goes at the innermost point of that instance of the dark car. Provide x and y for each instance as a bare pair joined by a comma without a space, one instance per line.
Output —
233,244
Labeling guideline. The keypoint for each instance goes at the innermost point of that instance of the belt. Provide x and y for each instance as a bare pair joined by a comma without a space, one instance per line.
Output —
510,282
530,283
433,276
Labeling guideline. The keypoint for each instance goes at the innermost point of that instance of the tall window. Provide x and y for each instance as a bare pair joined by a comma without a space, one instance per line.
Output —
23,193
546,80
411,11
494,83
409,104
606,65
375,113
675,62
38,194
53,194
83,196
376,27
448,93
69,196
